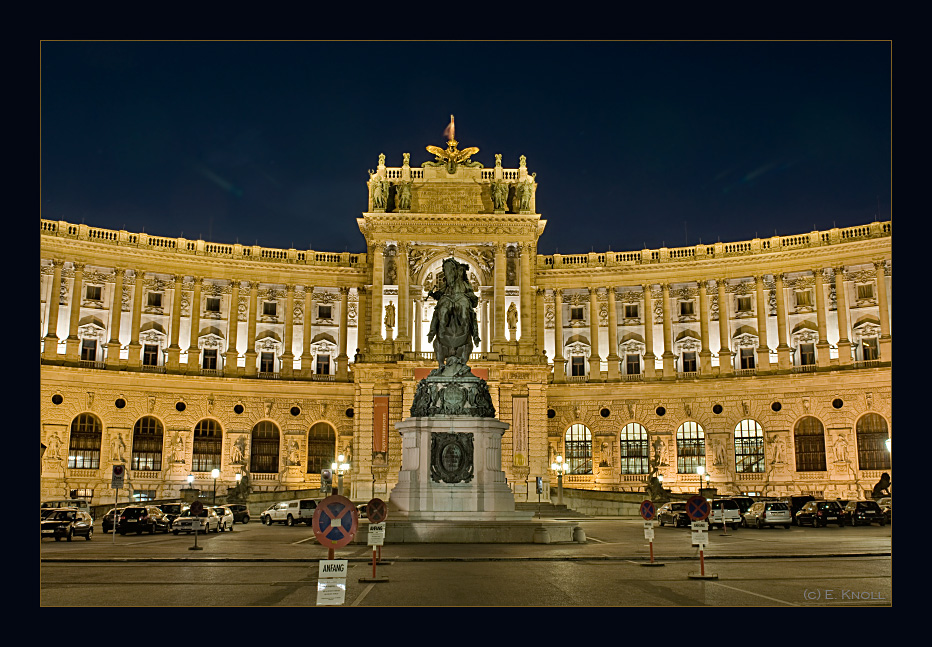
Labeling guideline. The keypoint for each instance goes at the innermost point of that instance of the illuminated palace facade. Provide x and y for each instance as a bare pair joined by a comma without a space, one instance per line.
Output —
766,362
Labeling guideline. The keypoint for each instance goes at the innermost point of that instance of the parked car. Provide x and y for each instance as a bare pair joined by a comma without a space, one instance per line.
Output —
208,520
796,503
727,507
361,510
78,504
290,512
744,502
240,512
886,504
107,523
142,518
673,513
67,523
226,517
820,513
768,513
173,510
863,512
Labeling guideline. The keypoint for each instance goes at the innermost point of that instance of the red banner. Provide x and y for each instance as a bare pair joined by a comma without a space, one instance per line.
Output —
380,424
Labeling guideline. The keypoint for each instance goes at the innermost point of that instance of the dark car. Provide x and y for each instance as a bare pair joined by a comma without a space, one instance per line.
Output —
67,523
673,513
240,512
857,513
744,502
172,510
796,503
107,523
142,518
820,513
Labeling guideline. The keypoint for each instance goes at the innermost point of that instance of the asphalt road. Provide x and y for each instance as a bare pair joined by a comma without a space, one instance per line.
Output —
264,566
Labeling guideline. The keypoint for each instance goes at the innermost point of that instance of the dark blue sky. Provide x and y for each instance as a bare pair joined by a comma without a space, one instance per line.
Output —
633,143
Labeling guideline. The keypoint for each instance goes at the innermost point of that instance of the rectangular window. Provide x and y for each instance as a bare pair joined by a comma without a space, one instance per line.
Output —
744,304
631,311
89,350
747,358
576,313
633,364
150,355
267,363
213,304
686,308
324,312
155,300
866,291
269,308
577,366
323,364
143,495
82,493
870,348
804,297
689,361
94,292
806,354
210,359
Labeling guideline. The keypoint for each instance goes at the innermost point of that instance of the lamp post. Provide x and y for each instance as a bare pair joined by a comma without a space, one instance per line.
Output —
339,467
559,467
214,473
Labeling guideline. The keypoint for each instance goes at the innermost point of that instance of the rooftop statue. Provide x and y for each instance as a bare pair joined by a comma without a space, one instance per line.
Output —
454,327
452,156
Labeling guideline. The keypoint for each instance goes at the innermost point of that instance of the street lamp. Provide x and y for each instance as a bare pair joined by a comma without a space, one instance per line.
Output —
340,466
214,473
559,467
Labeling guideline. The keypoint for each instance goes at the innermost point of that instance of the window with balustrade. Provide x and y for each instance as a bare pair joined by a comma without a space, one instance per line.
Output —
577,366
94,292
634,449
267,362
323,364
321,447
746,358
690,448
688,362
264,449
213,304
208,441
150,355
84,443
210,359
147,444
809,439
870,349
749,447
577,443
806,354
872,434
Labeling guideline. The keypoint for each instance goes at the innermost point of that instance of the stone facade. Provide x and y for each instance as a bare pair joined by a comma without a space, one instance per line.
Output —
174,356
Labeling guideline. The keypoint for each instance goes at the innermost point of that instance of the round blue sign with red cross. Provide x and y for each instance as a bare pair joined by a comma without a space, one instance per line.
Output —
697,508
647,509
335,521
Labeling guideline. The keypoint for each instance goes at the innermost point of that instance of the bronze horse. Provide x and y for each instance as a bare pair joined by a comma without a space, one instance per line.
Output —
454,327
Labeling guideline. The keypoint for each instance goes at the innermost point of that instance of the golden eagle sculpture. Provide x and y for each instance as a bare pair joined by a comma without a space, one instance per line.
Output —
452,157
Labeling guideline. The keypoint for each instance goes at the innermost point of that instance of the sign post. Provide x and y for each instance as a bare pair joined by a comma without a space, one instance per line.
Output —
697,507
334,524
116,482
376,513
648,512
196,508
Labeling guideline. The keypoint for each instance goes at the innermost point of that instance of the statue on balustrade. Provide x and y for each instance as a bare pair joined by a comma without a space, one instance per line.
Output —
500,195
403,196
454,327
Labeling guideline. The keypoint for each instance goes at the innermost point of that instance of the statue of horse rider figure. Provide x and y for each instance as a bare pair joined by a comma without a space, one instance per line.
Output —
454,327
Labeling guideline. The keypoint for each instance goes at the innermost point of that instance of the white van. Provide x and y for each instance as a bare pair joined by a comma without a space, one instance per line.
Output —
290,512
80,504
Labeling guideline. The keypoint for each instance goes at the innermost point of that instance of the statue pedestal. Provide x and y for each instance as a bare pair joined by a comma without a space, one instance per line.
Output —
451,470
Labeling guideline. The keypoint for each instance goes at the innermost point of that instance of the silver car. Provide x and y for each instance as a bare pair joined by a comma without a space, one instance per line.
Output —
768,513
203,523
226,517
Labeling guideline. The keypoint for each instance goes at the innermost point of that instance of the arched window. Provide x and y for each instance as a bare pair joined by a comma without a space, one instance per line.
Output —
809,437
84,446
208,439
749,447
263,455
147,444
321,447
690,448
634,452
578,449
872,449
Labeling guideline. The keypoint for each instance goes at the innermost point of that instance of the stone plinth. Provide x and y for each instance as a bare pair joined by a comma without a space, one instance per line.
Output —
451,470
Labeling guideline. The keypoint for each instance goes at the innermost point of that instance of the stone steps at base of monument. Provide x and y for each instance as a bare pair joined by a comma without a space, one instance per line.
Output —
548,509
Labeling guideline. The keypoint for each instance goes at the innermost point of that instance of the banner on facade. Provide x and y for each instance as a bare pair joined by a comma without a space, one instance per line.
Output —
380,425
519,424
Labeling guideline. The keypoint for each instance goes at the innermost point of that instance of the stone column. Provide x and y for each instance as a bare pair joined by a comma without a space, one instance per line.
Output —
783,349
252,367
559,362
287,357
232,354
173,355
541,321
498,319
307,360
841,299
50,349
613,358
822,353
342,359
669,359
763,349
595,361
403,342
886,341
705,353
528,338
418,315
135,348
378,281
649,357
362,316
194,351
487,325
725,365
73,344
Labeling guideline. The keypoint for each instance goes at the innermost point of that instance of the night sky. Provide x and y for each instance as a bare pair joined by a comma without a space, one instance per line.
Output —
633,143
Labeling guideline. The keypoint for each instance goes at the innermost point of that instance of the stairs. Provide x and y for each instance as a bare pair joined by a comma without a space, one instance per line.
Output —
547,509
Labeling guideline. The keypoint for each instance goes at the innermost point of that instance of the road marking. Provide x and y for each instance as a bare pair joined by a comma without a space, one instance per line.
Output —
733,588
596,540
362,595
295,543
